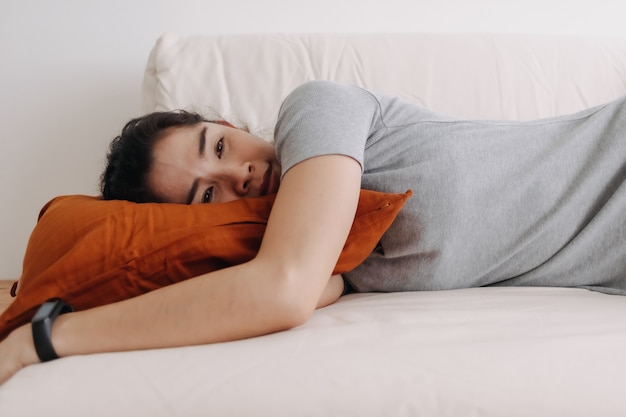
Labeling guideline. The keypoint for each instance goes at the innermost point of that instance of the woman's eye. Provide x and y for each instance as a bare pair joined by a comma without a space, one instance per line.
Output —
219,146
208,195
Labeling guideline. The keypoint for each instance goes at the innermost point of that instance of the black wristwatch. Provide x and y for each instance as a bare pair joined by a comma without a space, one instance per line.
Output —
42,327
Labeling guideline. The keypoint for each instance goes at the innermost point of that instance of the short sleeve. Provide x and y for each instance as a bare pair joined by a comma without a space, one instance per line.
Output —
324,118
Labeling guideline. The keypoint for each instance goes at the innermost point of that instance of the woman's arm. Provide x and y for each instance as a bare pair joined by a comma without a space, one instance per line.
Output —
279,289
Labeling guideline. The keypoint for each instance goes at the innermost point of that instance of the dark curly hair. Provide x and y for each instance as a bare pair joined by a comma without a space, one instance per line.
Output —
129,159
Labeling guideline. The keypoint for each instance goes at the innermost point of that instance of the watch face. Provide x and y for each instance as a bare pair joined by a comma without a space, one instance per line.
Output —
50,308
45,310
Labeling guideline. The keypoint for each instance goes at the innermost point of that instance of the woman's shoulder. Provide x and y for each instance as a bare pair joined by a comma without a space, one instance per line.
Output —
327,101
325,93
324,117
322,86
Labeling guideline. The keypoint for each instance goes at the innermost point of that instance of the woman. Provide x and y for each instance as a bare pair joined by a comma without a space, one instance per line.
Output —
495,203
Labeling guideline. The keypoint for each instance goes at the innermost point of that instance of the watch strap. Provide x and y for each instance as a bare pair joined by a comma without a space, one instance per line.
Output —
42,327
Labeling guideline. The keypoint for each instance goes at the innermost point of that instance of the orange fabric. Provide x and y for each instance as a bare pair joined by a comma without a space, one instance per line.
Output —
92,252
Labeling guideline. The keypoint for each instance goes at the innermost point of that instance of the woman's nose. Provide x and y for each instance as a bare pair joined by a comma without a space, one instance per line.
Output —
241,179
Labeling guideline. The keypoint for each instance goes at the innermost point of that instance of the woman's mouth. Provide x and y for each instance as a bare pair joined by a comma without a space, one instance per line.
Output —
270,182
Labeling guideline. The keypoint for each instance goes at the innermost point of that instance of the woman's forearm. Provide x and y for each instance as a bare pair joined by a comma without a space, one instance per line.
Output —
221,306
191,312
206,309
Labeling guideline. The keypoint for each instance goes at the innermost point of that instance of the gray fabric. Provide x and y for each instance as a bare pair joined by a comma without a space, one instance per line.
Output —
535,203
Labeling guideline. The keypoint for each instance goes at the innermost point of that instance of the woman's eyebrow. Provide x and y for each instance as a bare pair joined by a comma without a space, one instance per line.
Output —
202,141
192,191
201,146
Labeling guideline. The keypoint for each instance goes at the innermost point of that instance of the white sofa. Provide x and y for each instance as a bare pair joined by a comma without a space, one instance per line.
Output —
490,352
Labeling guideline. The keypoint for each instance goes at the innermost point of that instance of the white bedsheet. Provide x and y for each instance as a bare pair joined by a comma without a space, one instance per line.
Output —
478,352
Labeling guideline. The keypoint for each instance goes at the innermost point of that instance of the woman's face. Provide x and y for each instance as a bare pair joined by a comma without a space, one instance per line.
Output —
212,163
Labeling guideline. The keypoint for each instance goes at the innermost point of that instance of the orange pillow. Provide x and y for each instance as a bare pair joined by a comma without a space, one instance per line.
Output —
92,252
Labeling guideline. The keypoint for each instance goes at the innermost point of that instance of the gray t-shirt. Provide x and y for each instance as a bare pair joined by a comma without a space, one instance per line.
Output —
535,203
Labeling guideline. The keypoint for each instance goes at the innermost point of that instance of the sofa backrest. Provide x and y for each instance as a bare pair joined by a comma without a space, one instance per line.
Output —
244,78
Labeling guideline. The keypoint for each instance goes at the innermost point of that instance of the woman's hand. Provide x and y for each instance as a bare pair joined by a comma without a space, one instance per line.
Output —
333,291
16,352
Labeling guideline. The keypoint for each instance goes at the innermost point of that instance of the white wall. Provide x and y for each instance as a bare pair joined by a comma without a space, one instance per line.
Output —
70,71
